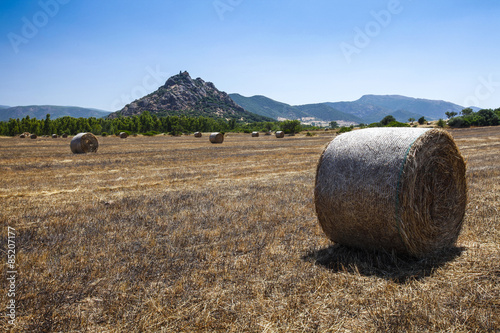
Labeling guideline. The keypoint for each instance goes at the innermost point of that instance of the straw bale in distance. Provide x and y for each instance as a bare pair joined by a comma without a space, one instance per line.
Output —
22,136
401,189
197,134
54,136
280,134
65,135
268,133
84,143
255,134
33,136
216,137
123,135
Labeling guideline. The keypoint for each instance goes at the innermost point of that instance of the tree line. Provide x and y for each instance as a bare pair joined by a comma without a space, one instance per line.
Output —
146,123
484,117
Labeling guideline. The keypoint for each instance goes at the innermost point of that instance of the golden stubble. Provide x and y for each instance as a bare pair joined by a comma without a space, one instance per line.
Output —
178,234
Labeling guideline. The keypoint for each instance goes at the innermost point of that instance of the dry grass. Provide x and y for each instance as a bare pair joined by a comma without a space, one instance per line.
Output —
174,234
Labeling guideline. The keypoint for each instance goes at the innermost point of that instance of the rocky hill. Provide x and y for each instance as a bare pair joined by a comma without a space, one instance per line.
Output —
55,111
181,95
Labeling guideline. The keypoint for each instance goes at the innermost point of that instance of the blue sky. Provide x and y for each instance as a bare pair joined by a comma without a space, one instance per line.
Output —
104,54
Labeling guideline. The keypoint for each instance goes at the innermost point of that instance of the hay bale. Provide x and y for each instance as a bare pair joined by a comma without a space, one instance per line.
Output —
54,136
33,136
65,135
255,134
401,189
280,134
84,143
22,136
216,137
269,133
123,135
197,134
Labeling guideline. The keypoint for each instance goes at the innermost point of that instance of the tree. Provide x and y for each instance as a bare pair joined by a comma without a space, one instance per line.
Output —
411,120
387,119
450,114
47,125
421,120
291,126
334,124
467,111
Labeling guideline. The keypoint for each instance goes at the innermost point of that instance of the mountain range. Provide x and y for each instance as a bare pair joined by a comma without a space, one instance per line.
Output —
367,109
182,95
40,111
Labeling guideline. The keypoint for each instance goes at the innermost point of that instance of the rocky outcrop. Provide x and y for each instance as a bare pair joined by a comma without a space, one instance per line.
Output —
181,95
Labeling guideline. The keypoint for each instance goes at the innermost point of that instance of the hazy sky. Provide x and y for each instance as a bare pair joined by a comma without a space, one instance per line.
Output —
104,54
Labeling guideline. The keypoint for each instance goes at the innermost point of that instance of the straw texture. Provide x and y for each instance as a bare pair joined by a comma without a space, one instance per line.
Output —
400,189
84,143
216,137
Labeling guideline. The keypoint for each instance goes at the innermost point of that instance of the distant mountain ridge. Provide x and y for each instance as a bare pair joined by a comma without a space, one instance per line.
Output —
367,109
55,111
183,96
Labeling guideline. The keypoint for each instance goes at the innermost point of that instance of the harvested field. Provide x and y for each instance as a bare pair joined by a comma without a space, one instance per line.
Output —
174,234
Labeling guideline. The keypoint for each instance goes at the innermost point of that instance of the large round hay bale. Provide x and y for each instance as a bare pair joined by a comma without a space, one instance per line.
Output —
197,134
216,137
280,134
123,135
65,135
395,189
255,134
84,143
54,136
22,136
33,136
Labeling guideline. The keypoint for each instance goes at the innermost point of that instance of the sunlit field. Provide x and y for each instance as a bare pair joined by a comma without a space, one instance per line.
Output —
175,234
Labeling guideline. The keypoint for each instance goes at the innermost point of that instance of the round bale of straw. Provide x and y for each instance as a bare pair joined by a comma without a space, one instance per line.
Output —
54,136
280,134
123,135
33,136
255,134
22,136
197,134
216,137
65,135
84,143
393,189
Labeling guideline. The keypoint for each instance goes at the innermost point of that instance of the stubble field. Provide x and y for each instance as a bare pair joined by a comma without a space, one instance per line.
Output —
174,234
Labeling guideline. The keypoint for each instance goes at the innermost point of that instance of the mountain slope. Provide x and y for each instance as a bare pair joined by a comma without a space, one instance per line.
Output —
327,113
40,112
433,109
268,107
181,95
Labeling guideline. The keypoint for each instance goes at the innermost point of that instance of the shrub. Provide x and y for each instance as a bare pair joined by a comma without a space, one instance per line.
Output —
344,129
104,134
441,123
397,124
